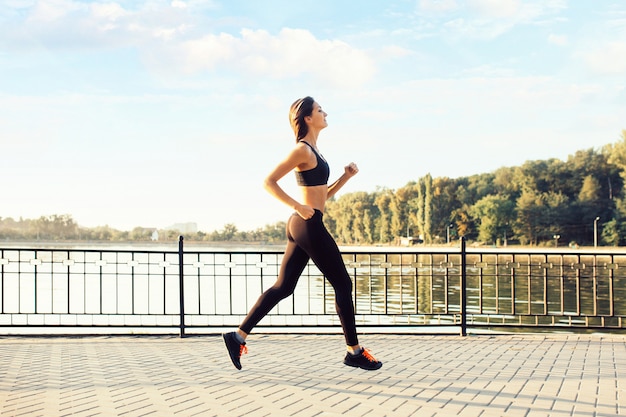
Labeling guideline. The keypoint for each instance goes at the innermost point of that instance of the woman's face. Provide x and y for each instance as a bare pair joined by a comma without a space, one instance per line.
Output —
318,117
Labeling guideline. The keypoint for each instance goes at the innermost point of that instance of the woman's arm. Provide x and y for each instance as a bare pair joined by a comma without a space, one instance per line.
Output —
297,157
349,171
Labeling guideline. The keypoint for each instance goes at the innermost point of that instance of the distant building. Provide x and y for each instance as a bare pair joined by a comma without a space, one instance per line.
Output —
155,235
410,241
185,228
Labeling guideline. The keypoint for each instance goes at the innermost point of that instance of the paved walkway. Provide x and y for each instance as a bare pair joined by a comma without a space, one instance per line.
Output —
295,375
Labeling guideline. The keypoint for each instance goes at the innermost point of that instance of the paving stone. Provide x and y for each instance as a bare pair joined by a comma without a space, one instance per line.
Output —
505,375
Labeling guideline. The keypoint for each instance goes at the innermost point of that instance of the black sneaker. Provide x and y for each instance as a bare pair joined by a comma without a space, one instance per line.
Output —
235,349
363,360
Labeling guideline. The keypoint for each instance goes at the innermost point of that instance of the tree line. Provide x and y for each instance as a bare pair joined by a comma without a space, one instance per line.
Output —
546,202
63,227
579,201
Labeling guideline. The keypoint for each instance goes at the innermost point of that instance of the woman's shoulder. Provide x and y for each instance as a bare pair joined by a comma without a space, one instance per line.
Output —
300,153
303,148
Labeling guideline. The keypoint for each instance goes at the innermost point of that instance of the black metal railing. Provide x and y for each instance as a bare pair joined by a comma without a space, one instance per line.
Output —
192,290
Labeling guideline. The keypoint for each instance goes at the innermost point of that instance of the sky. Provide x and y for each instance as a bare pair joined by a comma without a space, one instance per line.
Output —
151,112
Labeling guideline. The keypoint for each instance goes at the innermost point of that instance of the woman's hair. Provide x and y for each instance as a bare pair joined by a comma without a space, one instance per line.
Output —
300,109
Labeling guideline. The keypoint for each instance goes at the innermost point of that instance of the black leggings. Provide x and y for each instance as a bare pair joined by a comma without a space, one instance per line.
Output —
309,239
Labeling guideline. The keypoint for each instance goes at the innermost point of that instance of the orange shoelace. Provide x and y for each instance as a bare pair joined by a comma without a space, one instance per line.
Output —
243,350
369,356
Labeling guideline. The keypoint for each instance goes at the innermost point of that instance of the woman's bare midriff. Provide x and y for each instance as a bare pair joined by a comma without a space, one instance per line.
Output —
315,196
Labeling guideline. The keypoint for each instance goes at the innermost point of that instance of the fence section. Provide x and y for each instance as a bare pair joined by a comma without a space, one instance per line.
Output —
200,290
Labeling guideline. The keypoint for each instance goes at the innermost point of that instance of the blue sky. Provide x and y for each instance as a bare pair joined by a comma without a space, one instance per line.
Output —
150,112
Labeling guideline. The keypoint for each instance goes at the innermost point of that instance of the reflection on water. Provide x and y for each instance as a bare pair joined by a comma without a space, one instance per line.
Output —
506,285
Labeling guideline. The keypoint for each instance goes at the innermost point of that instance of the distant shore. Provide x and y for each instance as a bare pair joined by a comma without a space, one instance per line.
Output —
231,246
149,245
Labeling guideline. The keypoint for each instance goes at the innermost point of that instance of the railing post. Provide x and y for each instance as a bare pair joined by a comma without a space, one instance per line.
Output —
181,287
463,297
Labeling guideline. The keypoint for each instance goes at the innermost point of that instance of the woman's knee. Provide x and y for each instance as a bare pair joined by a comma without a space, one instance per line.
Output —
280,292
342,284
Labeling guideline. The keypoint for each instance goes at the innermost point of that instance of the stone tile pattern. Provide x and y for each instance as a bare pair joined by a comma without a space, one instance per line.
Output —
303,375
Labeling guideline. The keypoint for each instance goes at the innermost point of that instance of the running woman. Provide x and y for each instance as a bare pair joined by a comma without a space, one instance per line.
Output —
307,236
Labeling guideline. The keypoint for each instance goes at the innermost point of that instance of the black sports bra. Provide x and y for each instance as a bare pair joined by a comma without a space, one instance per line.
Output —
315,176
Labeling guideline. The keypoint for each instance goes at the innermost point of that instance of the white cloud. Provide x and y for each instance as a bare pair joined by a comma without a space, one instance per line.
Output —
291,53
394,51
559,40
488,19
19,4
437,6
172,38
110,11
606,59
66,24
478,28
495,8
54,10
488,71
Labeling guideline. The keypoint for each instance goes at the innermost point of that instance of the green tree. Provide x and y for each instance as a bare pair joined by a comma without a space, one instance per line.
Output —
420,200
444,203
529,209
463,221
428,200
383,201
228,232
407,204
493,213
554,218
612,233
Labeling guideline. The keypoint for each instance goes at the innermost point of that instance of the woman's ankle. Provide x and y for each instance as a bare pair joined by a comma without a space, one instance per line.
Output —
241,335
354,350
